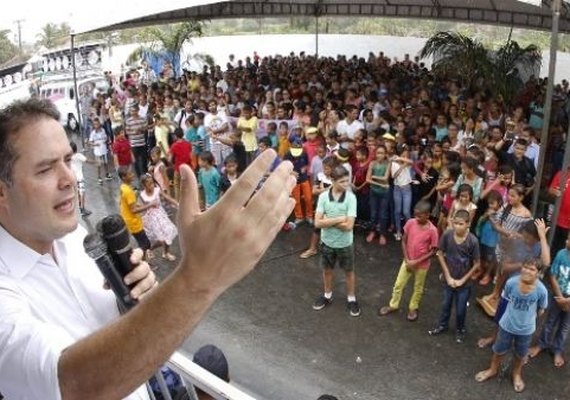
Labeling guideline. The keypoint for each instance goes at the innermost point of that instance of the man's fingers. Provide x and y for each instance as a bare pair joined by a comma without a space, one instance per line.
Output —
189,203
137,256
241,190
279,184
139,272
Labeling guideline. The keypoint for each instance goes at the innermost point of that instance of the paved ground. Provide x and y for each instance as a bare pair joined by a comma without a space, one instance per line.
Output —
280,349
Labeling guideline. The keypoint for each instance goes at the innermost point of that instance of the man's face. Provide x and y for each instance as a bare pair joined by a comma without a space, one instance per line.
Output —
519,150
460,226
342,184
39,206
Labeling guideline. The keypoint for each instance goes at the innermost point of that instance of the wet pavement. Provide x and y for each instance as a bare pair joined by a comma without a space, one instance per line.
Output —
279,348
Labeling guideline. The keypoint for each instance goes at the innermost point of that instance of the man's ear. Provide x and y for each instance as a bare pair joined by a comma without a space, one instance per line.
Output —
3,194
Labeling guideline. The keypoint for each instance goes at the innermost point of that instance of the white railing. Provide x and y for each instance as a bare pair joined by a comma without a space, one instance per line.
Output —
195,376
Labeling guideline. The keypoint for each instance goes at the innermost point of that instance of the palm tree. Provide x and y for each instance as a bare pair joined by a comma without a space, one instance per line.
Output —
50,36
511,64
167,41
458,56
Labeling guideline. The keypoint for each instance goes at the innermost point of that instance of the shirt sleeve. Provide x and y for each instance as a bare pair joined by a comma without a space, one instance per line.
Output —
130,197
476,254
506,293
556,181
29,351
543,299
321,203
443,241
434,238
351,206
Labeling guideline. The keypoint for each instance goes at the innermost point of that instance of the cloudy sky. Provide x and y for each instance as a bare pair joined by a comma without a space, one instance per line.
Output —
37,13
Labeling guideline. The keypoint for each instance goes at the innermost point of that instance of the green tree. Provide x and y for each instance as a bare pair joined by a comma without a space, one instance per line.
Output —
7,49
510,61
52,35
167,41
459,57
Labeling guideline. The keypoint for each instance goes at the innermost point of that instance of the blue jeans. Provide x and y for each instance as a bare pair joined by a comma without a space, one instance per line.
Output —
461,297
379,206
402,205
555,329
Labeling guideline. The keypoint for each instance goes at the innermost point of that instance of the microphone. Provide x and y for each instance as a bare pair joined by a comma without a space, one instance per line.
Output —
110,249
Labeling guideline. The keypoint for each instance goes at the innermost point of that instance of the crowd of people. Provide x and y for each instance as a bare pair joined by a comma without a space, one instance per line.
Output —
383,145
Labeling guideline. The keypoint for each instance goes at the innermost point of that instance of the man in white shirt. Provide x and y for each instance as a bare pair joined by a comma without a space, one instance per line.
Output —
217,123
61,336
348,127
184,114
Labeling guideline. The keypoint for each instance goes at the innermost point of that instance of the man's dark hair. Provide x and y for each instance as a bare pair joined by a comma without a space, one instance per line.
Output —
530,228
521,142
265,140
179,133
423,207
13,119
463,215
339,172
327,397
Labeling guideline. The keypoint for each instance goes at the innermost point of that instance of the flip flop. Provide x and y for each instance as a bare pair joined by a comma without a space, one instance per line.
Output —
485,342
412,315
386,310
483,376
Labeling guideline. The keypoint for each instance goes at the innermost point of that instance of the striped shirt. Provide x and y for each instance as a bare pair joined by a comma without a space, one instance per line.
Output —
135,128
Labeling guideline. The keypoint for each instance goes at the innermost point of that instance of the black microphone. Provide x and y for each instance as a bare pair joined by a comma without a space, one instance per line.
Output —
111,250
114,231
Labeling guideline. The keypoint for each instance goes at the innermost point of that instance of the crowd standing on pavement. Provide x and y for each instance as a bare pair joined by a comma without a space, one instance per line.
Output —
377,144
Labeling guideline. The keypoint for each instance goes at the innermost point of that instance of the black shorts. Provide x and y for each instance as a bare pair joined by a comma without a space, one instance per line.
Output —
344,256
488,254
142,240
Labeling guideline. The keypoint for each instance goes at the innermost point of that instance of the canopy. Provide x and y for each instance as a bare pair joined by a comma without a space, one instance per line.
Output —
519,14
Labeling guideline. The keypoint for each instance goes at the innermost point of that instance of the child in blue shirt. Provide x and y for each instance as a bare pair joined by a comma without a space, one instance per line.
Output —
527,298
489,238
208,178
557,326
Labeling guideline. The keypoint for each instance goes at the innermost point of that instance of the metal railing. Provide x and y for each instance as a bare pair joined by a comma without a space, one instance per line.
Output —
193,375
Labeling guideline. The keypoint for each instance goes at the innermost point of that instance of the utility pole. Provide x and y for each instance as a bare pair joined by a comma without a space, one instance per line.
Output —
19,23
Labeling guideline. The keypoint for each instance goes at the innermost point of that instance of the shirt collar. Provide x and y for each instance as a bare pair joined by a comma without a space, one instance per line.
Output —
340,199
17,259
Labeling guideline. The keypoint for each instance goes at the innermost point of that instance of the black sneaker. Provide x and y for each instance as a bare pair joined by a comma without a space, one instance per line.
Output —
108,177
353,308
437,331
321,302
460,336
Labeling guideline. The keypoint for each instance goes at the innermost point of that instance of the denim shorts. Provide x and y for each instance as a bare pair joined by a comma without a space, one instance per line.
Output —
505,341
343,256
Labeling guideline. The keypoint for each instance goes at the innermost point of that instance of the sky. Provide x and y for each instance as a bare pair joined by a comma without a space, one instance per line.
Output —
37,13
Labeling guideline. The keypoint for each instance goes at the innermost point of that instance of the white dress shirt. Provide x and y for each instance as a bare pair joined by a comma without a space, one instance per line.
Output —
46,306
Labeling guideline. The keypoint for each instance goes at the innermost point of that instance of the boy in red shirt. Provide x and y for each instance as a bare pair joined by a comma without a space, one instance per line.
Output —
179,153
122,153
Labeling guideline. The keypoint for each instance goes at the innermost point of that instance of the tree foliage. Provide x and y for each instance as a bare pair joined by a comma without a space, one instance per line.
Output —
53,35
7,49
167,41
458,56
